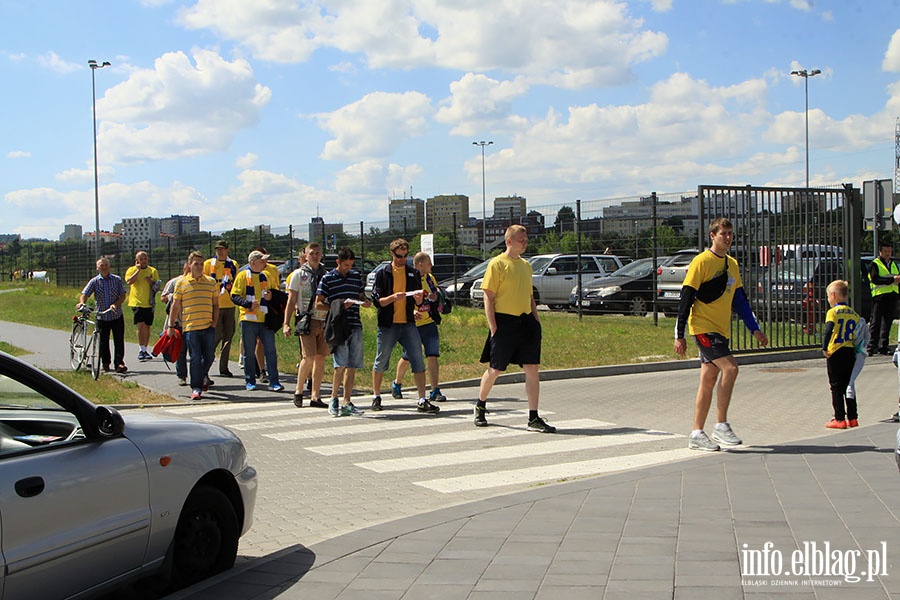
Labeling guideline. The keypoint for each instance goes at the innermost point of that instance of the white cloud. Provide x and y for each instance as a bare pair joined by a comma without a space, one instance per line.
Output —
478,103
53,62
85,175
177,109
569,43
18,154
375,125
247,161
891,62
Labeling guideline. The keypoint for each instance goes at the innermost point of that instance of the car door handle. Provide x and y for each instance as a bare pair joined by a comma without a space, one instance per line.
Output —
30,486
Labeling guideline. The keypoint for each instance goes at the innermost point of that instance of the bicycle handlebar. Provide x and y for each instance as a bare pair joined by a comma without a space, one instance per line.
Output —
86,310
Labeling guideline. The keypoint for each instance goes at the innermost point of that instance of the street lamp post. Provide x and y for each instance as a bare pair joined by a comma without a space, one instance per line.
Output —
806,75
483,143
94,66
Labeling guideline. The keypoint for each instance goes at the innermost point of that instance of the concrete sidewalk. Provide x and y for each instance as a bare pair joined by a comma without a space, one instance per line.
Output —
760,521
719,527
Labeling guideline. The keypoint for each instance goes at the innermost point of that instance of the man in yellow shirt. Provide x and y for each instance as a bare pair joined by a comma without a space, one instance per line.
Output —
143,281
195,302
223,269
712,289
251,292
515,328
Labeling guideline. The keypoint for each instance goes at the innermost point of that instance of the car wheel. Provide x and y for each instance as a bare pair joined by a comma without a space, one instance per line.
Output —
206,539
637,306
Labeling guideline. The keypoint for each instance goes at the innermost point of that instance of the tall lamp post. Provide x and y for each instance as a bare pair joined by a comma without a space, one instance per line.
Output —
806,75
483,143
94,66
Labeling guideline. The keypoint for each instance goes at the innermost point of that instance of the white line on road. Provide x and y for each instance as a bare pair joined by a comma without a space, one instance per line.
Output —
553,446
559,471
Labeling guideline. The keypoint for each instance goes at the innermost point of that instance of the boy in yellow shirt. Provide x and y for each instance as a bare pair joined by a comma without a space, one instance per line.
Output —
838,346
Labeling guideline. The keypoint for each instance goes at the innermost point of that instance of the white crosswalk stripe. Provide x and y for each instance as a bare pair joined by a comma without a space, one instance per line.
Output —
590,442
468,434
449,440
449,485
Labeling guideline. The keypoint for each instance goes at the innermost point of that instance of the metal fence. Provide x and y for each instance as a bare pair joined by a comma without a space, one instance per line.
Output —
782,236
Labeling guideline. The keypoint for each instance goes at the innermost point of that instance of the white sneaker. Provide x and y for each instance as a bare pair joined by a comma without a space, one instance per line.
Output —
723,434
702,442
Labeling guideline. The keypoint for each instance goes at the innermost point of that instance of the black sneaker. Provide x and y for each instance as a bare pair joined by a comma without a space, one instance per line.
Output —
539,425
317,403
298,400
226,374
263,376
425,406
895,418
480,421
376,403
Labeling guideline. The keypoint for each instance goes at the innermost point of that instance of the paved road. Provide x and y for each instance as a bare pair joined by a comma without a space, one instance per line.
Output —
327,485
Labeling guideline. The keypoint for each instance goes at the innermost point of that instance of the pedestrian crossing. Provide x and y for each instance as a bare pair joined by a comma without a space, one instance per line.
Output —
402,441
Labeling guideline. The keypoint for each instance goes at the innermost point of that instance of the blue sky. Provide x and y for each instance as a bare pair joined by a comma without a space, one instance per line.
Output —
269,111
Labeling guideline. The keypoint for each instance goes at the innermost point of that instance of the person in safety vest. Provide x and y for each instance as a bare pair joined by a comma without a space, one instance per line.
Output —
884,277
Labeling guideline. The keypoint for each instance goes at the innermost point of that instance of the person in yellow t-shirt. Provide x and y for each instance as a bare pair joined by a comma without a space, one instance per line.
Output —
143,281
251,293
712,289
196,304
428,333
515,327
223,269
839,348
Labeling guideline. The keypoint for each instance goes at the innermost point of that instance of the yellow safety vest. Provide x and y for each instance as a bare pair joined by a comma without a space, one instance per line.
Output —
883,271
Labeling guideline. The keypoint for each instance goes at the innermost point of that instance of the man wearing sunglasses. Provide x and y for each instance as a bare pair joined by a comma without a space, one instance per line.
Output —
397,292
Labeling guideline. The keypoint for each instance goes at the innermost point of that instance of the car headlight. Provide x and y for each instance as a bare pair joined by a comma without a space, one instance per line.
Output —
604,292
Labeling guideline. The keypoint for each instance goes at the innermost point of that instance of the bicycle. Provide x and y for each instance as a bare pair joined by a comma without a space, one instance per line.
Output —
82,348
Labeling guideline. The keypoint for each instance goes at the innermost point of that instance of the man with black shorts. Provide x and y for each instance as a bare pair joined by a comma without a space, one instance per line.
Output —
143,281
515,329
712,289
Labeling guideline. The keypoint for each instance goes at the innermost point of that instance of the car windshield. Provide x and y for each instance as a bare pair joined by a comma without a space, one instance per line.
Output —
539,263
638,268
478,270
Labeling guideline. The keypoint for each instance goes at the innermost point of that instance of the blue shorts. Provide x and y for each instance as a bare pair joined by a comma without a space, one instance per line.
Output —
712,346
350,353
431,340
406,334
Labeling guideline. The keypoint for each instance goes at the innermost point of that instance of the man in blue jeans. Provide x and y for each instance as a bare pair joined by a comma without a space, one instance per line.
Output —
397,292
196,303
251,292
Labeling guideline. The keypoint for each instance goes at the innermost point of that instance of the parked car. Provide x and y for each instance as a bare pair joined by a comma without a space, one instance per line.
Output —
670,280
458,288
795,290
629,290
444,266
93,500
555,274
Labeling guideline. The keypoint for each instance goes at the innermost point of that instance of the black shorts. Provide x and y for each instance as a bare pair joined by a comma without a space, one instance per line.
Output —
518,341
143,315
712,346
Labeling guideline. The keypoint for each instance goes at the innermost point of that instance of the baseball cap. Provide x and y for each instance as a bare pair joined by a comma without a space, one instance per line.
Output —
222,244
256,255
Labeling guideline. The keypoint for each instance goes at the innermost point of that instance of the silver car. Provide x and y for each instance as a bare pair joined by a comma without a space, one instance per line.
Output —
90,500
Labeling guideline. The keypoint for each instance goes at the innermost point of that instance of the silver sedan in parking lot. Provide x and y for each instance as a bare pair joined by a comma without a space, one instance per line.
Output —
91,500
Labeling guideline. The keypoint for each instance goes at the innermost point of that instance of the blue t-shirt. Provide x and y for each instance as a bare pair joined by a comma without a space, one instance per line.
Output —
334,286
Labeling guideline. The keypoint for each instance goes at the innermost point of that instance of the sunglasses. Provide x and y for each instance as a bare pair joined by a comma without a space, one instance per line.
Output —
401,255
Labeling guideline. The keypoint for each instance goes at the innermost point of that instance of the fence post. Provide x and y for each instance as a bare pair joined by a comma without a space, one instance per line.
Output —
578,253
655,255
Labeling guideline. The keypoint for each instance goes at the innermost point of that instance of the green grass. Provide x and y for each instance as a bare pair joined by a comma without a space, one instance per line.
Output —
567,342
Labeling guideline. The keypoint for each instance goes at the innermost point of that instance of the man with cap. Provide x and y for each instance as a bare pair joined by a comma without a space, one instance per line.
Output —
223,269
251,292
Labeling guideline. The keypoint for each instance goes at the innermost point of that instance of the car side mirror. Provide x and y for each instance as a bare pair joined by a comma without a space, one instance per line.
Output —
109,421
551,270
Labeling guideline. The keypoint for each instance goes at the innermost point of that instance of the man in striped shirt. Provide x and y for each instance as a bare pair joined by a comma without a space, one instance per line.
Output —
196,303
108,291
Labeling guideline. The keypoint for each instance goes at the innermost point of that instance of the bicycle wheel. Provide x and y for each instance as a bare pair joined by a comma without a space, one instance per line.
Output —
91,355
77,344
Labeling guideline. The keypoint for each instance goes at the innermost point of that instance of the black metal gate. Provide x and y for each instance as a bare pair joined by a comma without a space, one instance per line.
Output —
790,244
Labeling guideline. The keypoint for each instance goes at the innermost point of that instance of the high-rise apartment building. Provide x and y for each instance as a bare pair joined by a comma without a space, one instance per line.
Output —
440,211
